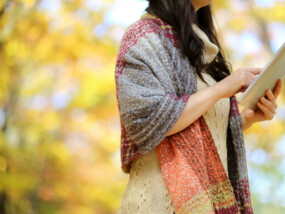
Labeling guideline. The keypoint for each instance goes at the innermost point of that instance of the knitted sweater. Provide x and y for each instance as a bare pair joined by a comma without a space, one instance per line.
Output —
146,191
154,81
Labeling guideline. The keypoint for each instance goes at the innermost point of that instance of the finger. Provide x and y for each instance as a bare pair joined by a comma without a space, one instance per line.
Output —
270,97
277,88
268,114
255,70
250,79
268,104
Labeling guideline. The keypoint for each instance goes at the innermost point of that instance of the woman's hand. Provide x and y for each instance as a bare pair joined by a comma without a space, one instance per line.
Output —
237,81
266,107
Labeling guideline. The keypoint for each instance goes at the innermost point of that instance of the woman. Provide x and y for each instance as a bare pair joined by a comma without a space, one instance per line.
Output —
181,129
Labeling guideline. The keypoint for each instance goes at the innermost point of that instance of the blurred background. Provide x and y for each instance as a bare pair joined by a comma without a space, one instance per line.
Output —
60,128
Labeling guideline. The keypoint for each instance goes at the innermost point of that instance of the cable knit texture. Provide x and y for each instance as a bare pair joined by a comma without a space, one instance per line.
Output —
197,170
217,120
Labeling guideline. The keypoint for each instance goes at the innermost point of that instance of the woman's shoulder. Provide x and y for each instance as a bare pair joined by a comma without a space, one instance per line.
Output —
147,25
139,29
149,32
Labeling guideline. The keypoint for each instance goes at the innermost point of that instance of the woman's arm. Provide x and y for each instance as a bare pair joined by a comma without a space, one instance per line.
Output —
198,103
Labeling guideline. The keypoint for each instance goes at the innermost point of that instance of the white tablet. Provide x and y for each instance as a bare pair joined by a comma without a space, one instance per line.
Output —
266,79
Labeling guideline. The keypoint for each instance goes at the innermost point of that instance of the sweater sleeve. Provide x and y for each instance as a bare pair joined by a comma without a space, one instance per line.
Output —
148,104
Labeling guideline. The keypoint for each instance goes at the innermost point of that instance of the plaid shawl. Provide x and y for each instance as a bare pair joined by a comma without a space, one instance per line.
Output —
153,84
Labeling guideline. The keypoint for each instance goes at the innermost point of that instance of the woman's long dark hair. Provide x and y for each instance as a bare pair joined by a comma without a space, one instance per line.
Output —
180,14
